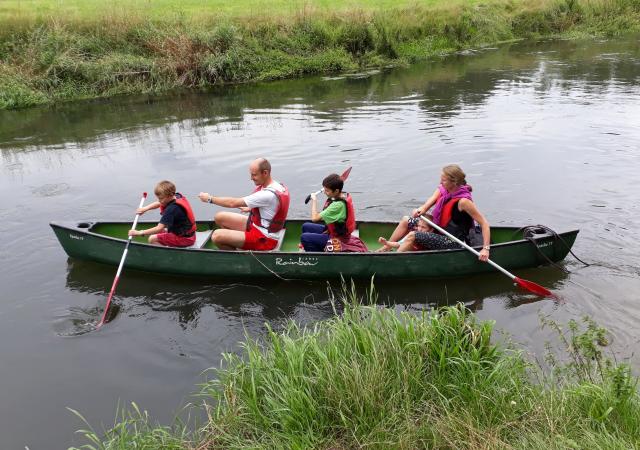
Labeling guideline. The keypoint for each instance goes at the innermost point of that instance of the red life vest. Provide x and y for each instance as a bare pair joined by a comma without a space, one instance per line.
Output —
277,222
447,211
184,204
459,230
347,227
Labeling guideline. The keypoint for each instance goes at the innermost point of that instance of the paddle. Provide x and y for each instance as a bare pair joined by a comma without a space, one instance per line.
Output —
124,255
525,284
344,177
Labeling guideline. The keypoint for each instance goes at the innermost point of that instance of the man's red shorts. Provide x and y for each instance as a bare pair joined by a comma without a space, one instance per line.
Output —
173,240
255,240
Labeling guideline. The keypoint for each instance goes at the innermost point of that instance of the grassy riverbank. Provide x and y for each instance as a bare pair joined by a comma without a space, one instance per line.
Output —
373,378
52,51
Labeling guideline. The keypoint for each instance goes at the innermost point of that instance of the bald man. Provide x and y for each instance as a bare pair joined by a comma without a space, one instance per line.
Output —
267,206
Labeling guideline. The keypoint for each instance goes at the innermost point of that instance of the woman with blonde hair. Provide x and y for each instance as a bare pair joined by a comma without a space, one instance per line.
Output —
453,210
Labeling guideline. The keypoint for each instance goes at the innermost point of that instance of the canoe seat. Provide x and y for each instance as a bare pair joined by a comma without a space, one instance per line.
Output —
280,240
201,238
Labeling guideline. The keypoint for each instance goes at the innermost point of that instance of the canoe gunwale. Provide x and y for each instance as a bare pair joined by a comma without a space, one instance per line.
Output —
68,225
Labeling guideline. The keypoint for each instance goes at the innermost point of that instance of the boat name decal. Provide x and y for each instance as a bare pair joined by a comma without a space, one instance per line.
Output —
301,261
73,236
545,244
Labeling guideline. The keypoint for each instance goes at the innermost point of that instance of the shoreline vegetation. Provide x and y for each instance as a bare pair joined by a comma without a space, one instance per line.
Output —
53,51
374,377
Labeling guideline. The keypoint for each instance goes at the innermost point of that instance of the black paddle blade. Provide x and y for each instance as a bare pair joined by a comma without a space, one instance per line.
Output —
306,200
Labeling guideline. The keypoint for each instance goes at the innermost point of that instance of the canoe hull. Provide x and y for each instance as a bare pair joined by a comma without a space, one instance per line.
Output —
79,242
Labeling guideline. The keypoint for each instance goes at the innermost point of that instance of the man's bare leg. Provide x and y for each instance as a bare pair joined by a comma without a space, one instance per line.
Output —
230,234
228,239
231,221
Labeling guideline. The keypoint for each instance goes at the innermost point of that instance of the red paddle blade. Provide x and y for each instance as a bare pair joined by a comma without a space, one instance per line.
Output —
345,174
533,287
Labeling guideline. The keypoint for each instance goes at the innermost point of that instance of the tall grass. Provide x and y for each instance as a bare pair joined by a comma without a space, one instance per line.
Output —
51,57
373,377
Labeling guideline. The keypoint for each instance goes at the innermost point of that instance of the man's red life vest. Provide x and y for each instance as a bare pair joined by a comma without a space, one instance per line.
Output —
347,227
277,222
184,204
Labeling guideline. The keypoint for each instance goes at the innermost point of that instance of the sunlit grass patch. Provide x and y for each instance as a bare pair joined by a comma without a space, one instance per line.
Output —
76,49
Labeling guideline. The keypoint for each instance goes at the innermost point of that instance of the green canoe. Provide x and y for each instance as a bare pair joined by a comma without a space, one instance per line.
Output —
104,242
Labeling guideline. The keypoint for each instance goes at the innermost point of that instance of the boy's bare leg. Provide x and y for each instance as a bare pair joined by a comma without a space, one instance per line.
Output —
401,230
387,245
407,244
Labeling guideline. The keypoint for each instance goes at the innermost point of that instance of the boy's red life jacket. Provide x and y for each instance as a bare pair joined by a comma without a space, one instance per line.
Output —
345,228
186,207
277,222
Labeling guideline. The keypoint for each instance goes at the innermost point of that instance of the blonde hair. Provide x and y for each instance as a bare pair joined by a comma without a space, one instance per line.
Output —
165,189
455,174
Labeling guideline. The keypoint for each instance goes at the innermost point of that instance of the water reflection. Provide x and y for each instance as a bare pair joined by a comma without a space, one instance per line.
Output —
546,132
274,301
442,89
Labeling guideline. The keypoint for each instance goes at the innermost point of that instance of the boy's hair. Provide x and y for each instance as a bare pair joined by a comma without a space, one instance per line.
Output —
427,224
165,188
333,182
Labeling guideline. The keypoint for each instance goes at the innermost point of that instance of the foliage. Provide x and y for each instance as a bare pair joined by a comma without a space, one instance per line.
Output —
52,57
133,429
377,377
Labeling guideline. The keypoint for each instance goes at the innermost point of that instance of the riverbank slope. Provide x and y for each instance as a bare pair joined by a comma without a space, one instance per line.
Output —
59,51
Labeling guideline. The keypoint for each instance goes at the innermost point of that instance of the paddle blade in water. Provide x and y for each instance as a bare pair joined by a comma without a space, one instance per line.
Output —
533,287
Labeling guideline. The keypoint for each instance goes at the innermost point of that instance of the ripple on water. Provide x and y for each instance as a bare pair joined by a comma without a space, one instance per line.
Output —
50,190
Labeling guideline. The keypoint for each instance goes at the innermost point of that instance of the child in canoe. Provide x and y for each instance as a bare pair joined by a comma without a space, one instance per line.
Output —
177,227
330,229
409,243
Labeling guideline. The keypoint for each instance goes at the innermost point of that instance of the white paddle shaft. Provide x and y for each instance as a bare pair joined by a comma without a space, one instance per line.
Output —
468,247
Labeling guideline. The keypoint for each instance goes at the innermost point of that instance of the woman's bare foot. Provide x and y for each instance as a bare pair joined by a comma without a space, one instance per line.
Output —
387,246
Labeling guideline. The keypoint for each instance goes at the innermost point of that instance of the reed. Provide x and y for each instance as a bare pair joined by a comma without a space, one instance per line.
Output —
74,50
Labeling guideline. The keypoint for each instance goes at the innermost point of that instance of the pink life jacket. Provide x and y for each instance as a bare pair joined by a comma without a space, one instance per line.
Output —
338,229
277,222
184,204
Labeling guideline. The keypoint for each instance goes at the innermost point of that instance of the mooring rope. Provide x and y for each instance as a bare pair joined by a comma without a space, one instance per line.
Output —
262,264
532,228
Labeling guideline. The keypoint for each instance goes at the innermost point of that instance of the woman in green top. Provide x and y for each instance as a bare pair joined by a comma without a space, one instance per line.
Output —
337,216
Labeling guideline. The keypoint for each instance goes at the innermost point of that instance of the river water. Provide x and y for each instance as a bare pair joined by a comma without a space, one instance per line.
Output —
547,133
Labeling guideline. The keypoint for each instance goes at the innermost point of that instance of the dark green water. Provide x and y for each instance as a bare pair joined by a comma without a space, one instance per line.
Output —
547,133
